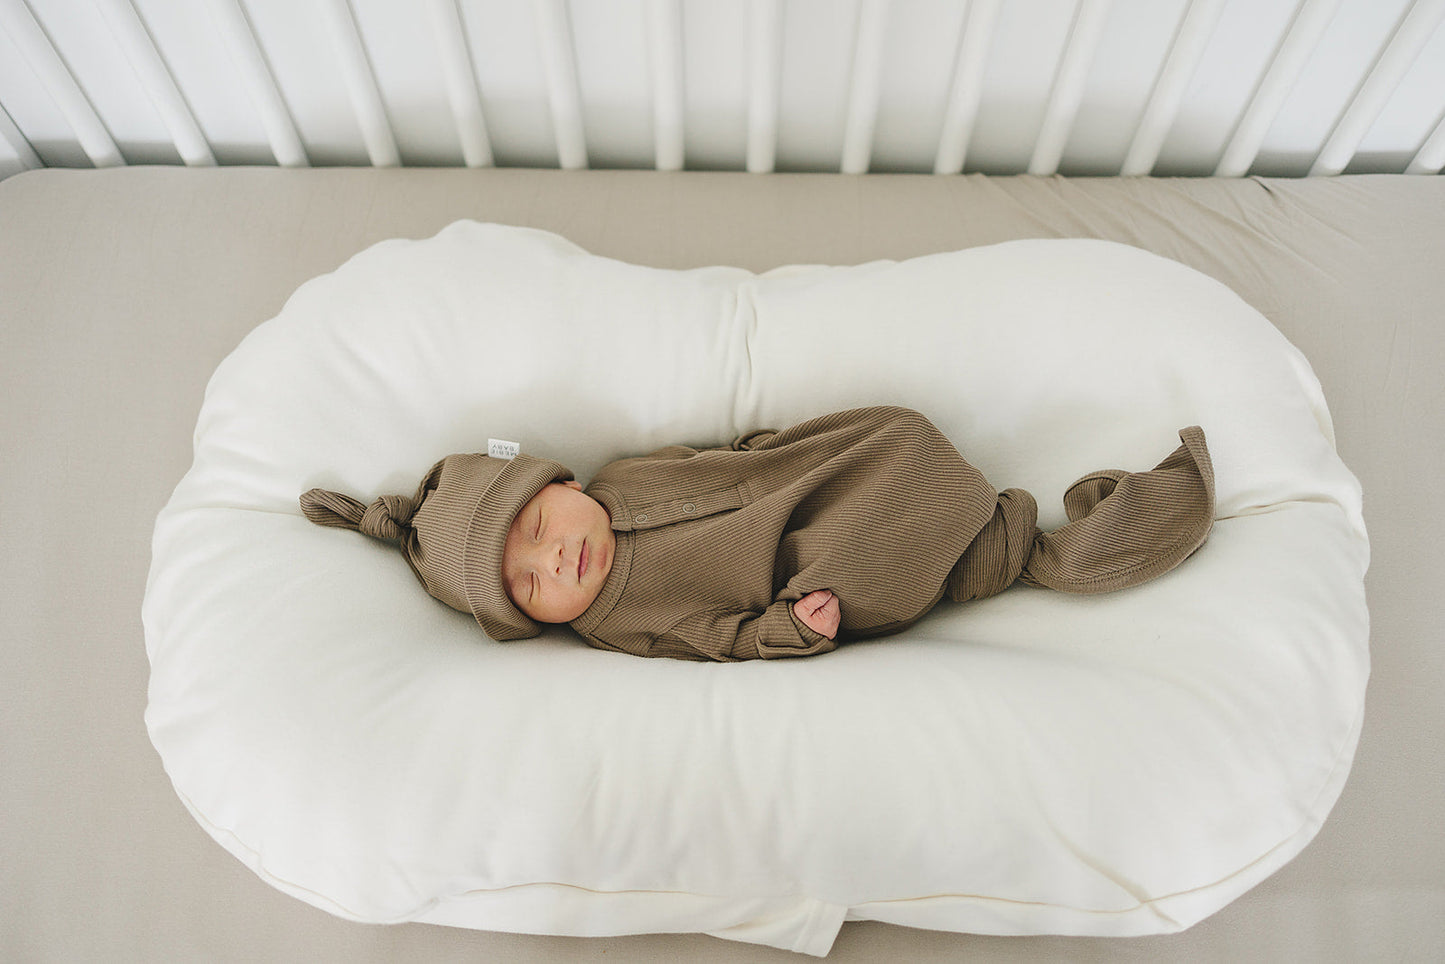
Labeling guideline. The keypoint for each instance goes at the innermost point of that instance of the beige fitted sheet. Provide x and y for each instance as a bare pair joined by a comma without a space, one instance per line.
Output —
121,290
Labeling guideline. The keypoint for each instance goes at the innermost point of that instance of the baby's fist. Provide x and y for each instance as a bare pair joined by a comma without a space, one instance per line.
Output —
819,612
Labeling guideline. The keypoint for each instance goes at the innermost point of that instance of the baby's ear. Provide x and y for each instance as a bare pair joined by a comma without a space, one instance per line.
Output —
573,484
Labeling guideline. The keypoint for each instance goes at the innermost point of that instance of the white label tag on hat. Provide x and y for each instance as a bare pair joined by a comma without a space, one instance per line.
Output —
502,449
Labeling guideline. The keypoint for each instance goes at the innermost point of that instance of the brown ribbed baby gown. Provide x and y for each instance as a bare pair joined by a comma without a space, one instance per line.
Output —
875,504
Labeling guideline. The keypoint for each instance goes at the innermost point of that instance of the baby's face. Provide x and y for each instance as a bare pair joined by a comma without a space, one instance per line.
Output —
558,553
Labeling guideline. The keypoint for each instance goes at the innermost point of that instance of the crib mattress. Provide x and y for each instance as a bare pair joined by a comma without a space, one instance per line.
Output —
123,289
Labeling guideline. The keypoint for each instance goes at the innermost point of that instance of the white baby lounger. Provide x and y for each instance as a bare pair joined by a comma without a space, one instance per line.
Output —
1033,763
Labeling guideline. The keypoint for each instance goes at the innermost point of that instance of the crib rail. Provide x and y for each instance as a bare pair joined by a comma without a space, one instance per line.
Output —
1134,87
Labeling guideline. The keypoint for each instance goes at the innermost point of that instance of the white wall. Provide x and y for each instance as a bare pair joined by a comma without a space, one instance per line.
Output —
1079,86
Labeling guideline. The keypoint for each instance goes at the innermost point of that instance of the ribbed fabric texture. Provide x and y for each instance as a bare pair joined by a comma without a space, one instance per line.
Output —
1128,532
1124,529
388,517
874,504
996,557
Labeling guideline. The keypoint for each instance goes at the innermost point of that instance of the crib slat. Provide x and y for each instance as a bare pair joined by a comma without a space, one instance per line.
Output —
26,34
140,50
664,44
17,141
1195,29
765,57
559,61
245,52
461,81
967,89
1431,156
1414,32
1279,79
866,86
360,82
1068,87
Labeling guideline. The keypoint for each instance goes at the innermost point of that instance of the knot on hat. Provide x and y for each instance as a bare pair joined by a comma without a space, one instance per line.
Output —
388,517
453,531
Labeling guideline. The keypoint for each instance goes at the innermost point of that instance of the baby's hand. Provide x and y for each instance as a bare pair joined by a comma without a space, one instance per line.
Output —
819,612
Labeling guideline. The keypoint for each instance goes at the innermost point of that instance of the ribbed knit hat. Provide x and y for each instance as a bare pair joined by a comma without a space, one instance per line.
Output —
453,530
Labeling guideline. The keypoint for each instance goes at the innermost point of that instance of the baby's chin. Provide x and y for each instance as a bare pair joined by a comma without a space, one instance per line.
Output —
590,599
559,618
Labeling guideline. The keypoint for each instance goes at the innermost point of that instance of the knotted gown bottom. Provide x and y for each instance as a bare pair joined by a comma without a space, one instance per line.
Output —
1124,529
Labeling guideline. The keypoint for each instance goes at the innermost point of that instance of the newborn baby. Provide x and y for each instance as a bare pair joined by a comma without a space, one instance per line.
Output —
845,526
562,523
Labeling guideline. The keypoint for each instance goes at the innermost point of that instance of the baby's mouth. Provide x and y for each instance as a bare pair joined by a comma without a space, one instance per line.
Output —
582,561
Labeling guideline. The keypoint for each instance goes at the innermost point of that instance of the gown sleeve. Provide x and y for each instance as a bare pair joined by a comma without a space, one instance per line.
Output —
730,635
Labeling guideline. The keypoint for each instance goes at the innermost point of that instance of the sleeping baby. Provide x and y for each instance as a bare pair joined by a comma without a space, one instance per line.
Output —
842,527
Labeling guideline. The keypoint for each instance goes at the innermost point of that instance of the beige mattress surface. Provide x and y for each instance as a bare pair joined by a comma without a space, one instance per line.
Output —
121,290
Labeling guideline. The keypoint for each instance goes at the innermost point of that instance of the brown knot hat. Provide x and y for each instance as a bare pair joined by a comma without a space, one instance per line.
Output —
453,530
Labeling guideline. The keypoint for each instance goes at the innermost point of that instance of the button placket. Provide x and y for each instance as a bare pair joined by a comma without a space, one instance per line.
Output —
679,509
